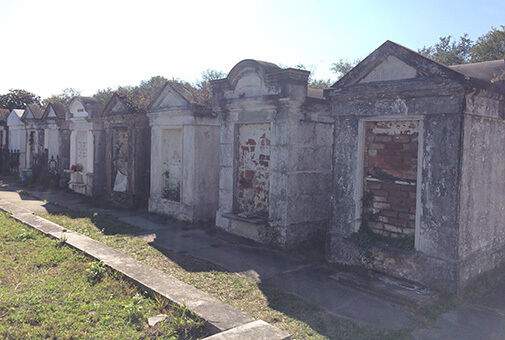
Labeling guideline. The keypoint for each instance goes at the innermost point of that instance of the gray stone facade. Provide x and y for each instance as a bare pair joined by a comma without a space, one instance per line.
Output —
276,146
127,153
34,134
57,135
184,156
87,147
450,191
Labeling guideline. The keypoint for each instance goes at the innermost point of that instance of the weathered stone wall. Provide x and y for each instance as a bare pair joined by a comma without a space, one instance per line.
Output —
439,112
275,156
127,155
434,258
87,148
98,133
184,157
206,169
171,165
142,164
309,178
482,190
64,146
51,141
457,175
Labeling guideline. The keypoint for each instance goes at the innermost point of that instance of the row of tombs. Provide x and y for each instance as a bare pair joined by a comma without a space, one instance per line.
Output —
398,167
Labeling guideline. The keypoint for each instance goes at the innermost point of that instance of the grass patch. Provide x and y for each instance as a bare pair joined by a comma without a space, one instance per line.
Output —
299,318
49,291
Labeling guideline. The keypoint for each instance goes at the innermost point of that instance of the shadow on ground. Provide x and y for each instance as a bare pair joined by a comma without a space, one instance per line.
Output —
201,248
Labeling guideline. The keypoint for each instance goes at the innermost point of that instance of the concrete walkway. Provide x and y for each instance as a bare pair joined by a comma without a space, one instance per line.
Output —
307,278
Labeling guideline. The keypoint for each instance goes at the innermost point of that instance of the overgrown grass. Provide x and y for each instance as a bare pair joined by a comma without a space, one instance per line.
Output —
50,291
301,319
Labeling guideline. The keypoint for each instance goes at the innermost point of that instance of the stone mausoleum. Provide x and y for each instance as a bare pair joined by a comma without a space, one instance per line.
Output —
17,135
56,136
87,146
276,146
184,155
34,133
419,171
127,153
4,114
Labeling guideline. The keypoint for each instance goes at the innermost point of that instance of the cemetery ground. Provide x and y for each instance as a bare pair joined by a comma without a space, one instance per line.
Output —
49,290
302,320
298,317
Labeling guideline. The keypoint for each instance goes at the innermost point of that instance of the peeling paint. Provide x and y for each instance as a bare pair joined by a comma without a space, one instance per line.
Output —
252,188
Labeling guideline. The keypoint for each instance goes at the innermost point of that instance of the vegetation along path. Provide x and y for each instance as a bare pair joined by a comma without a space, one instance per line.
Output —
50,291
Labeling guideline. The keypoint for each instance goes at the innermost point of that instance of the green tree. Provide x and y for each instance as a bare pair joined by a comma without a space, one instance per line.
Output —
490,46
321,83
137,97
104,95
64,97
341,67
18,99
448,51
202,89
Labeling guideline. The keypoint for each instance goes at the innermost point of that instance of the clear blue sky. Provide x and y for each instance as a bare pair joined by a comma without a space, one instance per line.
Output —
54,44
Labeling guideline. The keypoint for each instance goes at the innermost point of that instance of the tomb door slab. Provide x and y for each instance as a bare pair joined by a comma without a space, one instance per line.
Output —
252,184
171,164
120,159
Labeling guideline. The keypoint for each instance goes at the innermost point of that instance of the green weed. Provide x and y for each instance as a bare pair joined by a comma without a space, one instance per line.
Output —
96,272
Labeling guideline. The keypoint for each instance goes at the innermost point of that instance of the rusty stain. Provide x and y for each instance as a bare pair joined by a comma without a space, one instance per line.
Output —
252,189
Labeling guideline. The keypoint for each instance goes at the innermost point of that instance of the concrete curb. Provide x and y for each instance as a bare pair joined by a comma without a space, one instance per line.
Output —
228,322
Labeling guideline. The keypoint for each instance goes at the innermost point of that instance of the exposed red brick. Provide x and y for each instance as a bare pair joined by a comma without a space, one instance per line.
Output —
387,152
380,192
374,185
398,222
400,208
393,146
402,139
389,213
409,188
392,202
410,146
375,159
398,194
382,138
376,146
393,160
390,186
378,205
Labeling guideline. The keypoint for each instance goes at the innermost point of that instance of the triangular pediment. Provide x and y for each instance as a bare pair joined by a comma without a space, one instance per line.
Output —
172,95
392,62
14,117
51,113
29,114
390,69
116,106
172,98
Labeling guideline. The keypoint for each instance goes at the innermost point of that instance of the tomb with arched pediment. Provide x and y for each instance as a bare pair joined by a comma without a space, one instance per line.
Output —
87,146
276,150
